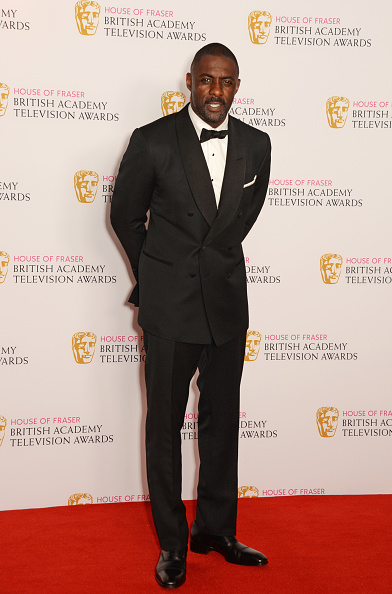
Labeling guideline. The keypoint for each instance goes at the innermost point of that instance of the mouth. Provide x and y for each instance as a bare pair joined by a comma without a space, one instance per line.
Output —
215,105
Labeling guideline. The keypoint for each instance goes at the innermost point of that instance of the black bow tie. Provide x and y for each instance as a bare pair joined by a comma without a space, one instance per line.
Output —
208,134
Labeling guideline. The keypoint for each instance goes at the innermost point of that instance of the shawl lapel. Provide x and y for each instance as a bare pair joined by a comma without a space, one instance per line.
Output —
195,166
233,181
198,176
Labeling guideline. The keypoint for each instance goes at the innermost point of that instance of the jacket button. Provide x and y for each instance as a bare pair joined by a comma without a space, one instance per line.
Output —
192,275
230,247
190,214
229,275
203,247
239,215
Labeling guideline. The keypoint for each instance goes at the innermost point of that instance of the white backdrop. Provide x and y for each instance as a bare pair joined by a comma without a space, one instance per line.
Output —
69,103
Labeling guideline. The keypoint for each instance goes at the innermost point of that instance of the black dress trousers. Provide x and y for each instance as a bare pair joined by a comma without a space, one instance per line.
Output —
170,367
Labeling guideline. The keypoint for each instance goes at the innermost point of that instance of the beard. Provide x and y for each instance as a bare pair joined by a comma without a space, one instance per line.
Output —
207,116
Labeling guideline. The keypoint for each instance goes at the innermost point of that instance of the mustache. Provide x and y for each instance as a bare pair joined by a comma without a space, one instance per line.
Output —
217,100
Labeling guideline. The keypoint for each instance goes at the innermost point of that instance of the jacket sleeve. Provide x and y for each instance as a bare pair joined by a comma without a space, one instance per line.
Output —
131,200
260,189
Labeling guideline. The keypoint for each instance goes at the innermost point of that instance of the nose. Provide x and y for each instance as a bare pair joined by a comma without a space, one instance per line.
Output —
216,88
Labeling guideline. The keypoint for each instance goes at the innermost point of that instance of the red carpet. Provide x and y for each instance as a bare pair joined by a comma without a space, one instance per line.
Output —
314,544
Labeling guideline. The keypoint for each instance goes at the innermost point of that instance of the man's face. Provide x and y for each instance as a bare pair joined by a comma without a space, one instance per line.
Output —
3,424
328,423
84,349
213,83
88,20
331,270
3,268
261,29
252,347
338,114
3,100
87,188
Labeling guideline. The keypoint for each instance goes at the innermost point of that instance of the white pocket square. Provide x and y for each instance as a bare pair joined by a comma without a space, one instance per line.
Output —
250,183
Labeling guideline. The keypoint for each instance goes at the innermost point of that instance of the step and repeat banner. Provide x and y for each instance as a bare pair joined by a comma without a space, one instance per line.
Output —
75,80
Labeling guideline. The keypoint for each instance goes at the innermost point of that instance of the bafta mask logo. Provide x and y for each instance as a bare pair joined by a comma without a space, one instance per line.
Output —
337,110
248,492
259,26
330,268
3,424
252,347
86,184
87,16
83,346
4,261
80,499
327,420
172,101
4,94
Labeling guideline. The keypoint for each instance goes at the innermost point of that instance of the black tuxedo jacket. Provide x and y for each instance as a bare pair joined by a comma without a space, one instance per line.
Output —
189,265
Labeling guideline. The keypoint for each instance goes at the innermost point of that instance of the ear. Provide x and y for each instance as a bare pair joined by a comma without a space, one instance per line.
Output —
238,86
189,81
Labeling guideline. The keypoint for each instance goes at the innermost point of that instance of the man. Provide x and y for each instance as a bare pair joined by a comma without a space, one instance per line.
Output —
203,196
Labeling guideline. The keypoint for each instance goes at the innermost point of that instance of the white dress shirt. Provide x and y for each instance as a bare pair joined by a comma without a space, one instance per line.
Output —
215,151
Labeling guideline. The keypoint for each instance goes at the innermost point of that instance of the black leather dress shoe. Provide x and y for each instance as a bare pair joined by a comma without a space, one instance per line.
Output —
171,568
228,546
